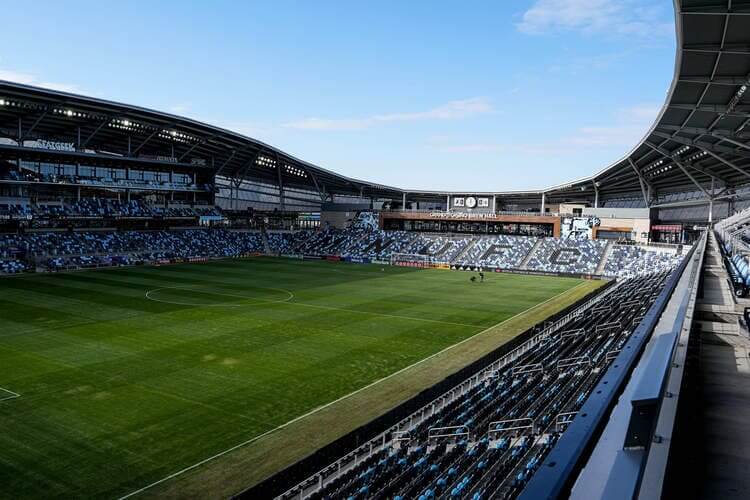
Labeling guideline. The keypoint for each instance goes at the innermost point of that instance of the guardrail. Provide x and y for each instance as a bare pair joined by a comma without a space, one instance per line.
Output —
560,468
653,468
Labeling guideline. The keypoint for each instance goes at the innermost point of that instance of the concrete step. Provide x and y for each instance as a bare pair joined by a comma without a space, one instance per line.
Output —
526,259
605,257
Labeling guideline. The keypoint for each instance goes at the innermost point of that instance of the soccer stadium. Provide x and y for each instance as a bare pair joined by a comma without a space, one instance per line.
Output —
190,312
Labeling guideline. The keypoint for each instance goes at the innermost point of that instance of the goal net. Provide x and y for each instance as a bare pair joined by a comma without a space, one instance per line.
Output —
411,260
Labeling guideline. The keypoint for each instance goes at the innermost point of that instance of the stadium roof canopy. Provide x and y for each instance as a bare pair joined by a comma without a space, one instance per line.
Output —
114,134
700,140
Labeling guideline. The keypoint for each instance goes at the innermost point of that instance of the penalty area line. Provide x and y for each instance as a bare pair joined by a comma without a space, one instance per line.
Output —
6,394
346,396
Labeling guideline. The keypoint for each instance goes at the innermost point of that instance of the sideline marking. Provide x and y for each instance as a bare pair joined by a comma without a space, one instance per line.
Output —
288,301
319,408
385,315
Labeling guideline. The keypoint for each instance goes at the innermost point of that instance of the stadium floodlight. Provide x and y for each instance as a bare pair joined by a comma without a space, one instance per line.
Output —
69,112
2,102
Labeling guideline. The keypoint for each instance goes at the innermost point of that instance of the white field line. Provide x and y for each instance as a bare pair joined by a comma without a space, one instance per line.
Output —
319,408
191,288
287,302
384,315
12,395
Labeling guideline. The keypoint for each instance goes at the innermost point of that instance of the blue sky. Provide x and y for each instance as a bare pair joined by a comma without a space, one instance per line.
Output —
472,95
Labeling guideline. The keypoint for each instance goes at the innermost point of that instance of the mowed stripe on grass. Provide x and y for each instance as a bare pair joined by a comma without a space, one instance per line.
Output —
119,391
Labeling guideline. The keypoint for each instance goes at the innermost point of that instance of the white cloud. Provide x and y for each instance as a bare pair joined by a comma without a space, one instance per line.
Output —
450,111
627,128
180,108
613,17
29,79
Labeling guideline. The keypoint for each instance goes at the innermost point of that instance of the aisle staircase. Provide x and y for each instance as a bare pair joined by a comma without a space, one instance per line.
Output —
605,257
525,261
264,239
464,251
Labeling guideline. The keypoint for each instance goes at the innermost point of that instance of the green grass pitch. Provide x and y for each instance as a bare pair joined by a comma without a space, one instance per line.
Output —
112,380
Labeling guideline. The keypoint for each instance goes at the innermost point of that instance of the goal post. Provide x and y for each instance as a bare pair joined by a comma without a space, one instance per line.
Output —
411,260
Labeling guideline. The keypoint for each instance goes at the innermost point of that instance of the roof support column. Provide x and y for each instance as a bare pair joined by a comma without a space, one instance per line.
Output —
33,126
724,161
138,148
711,204
596,196
447,203
221,168
494,203
403,200
321,193
20,142
541,208
645,186
732,141
281,184
697,184
234,182
103,124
